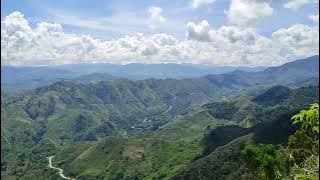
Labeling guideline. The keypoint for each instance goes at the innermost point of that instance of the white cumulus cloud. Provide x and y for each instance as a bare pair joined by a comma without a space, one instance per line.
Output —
296,4
156,18
200,32
198,3
232,34
48,44
298,40
247,12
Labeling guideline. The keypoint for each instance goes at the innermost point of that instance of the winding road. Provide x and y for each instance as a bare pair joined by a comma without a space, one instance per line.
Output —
145,119
59,169
164,112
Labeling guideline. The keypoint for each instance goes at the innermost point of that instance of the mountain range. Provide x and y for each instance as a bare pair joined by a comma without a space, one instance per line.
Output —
24,78
104,127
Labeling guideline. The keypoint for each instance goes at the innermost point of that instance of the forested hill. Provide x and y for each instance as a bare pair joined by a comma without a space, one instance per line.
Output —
292,72
271,115
125,103
57,118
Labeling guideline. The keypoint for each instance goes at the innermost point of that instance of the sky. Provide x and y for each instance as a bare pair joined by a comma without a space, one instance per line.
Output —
216,32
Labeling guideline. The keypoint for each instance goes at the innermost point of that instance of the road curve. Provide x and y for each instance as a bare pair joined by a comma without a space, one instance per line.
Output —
59,169
145,119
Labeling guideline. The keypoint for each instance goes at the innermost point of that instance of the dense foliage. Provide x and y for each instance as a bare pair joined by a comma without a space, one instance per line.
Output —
298,160
309,119
266,159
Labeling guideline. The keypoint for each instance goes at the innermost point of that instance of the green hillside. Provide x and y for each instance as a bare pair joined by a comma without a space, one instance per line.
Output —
221,155
173,147
149,129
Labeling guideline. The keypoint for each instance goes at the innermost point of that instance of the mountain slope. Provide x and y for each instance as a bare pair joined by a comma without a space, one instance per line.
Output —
162,153
285,74
221,156
51,119
225,162
93,78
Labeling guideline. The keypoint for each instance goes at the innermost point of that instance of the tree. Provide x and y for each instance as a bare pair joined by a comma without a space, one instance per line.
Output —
262,158
304,144
298,160
309,119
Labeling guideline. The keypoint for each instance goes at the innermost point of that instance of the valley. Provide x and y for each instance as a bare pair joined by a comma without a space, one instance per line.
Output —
152,128
160,90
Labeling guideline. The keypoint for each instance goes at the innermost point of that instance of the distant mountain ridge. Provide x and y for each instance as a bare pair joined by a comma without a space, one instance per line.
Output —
22,78
291,72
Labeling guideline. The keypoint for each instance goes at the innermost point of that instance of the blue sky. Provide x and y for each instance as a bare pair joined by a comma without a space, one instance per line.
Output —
179,12
46,10
223,28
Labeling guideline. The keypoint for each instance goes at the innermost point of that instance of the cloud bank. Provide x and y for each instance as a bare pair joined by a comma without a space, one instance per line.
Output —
48,44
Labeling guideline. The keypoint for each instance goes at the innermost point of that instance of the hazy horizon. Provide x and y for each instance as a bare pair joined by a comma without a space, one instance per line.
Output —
182,64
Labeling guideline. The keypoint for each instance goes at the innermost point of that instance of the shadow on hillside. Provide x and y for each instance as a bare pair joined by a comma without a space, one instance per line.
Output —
277,131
